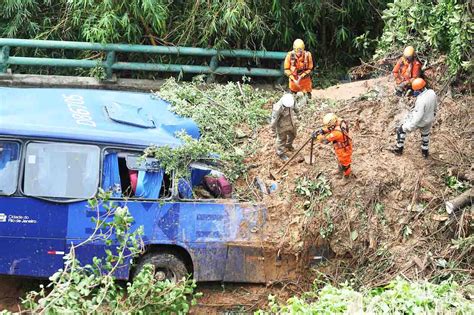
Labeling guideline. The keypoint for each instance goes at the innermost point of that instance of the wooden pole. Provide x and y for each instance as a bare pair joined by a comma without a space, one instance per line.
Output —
461,201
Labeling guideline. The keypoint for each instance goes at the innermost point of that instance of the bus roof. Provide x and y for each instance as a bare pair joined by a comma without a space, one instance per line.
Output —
100,116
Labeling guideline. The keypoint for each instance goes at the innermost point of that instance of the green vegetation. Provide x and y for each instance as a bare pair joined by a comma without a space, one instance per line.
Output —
433,28
227,114
249,24
353,28
313,190
92,288
398,297
456,185
236,24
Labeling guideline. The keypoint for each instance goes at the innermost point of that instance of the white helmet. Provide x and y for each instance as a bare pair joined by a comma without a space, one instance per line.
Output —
288,100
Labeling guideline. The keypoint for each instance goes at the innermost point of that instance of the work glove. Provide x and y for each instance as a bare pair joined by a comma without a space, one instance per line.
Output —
296,81
320,138
316,133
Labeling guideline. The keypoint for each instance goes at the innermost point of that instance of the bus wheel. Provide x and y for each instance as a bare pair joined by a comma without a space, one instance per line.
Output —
167,266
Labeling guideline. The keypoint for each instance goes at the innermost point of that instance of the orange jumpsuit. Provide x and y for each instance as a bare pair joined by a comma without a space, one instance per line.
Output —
299,68
342,145
405,71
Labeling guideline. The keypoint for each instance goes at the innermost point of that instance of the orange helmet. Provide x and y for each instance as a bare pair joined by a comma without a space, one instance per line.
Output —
418,84
298,44
409,51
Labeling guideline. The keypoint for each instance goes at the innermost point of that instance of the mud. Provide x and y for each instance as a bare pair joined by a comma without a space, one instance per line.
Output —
383,218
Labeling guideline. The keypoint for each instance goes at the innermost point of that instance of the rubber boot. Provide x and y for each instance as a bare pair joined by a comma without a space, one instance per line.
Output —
425,153
282,156
397,150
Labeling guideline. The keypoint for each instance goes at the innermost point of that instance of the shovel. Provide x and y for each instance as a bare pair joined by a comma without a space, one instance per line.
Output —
272,176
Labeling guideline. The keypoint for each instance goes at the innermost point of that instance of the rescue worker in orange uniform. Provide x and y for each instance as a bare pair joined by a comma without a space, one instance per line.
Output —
298,66
407,69
336,131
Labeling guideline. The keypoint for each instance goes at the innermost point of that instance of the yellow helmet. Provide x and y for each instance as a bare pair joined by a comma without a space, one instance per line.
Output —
409,51
298,44
330,120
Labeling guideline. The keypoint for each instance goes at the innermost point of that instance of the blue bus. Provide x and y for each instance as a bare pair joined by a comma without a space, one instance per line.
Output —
59,146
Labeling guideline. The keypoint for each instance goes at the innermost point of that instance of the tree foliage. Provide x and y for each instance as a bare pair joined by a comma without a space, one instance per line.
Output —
83,20
273,25
352,28
227,114
432,27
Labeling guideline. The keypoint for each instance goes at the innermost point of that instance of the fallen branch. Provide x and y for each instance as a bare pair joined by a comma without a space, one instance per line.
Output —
460,201
374,67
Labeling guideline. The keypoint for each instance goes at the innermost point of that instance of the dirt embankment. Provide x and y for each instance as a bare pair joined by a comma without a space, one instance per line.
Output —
388,220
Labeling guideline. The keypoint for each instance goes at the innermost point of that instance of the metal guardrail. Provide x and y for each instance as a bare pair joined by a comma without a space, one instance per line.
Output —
110,64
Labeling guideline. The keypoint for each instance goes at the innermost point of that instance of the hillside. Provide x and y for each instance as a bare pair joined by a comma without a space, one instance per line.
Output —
389,220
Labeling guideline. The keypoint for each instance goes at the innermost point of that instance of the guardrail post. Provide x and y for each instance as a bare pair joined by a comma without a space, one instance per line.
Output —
109,62
4,55
213,64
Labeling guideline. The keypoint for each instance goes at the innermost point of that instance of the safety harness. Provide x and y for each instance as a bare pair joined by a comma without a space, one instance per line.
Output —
293,61
344,126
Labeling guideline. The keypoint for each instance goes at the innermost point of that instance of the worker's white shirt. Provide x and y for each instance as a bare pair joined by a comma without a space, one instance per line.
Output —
424,112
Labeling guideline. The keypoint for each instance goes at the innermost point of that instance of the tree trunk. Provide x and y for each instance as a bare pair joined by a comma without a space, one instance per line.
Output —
460,201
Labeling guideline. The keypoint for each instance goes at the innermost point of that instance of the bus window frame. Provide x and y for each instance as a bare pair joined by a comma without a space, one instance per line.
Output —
56,199
139,152
20,165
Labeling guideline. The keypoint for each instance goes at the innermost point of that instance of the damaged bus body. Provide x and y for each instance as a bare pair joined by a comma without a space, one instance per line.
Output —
59,146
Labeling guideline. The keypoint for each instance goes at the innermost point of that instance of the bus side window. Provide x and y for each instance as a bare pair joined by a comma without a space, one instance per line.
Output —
61,170
9,164
125,176
111,179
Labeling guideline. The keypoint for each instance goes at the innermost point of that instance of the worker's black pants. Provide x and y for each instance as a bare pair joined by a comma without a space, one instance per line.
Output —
425,137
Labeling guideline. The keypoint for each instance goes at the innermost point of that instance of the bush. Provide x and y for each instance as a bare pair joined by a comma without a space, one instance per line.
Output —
398,297
432,27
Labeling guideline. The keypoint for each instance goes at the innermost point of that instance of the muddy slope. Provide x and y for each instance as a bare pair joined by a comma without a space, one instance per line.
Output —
389,219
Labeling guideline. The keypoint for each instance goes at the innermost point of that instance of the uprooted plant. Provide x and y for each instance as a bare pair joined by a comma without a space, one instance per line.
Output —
228,116
93,289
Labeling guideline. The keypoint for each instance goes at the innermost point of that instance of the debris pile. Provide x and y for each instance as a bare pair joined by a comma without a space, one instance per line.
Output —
391,218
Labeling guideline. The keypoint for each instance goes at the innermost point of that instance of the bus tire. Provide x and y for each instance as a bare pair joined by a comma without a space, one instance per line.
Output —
167,266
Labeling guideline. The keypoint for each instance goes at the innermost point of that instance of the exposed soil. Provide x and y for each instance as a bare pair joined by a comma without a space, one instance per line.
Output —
386,221
347,91
389,197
